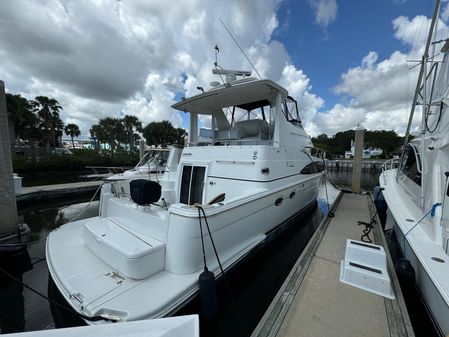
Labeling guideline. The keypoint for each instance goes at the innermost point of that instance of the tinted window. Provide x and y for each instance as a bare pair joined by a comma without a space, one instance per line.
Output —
196,187
314,167
410,165
192,184
185,184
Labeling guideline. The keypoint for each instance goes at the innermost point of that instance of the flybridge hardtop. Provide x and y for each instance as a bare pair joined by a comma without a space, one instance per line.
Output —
245,112
416,187
142,256
240,93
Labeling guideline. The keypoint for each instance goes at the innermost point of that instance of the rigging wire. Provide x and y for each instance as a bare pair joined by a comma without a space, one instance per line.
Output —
244,54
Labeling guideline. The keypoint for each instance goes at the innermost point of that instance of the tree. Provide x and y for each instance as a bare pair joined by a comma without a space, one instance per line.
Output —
388,141
20,116
110,130
95,135
131,125
49,121
72,130
163,134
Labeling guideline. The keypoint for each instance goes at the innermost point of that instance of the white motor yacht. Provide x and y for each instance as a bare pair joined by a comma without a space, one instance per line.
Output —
250,172
153,162
416,188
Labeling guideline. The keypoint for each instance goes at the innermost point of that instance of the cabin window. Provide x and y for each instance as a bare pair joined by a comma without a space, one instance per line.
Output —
410,165
192,183
290,110
314,167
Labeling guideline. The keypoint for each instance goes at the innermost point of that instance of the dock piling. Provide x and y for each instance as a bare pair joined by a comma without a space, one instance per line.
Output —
8,208
358,151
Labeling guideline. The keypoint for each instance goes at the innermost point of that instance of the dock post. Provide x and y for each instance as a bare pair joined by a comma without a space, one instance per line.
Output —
357,164
8,208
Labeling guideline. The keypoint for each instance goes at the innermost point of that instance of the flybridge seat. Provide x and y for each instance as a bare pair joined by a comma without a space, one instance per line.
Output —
132,256
253,128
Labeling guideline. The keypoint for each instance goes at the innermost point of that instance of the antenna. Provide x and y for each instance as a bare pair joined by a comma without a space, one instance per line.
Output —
247,58
217,50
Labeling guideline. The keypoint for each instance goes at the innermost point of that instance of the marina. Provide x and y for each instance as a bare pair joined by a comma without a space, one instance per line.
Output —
161,193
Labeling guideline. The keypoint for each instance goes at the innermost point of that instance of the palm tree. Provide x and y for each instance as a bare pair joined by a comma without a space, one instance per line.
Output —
48,112
19,115
72,130
131,125
23,122
111,130
94,132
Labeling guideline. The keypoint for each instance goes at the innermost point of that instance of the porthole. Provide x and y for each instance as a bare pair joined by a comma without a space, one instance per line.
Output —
437,259
278,201
292,195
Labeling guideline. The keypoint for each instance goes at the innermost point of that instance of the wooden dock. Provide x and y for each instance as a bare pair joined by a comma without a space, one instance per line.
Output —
313,302
56,190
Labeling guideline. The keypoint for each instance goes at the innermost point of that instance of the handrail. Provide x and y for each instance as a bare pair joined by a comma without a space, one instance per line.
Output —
390,164
314,151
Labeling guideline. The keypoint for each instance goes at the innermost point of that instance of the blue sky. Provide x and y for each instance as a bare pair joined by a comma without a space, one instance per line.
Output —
324,53
344,61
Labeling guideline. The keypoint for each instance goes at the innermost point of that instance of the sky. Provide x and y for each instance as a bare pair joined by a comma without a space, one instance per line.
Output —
345,62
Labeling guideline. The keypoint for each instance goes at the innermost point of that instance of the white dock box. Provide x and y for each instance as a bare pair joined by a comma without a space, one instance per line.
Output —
132,256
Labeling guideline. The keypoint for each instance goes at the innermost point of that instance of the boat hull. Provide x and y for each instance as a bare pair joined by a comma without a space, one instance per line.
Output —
436,307
164,292
412,228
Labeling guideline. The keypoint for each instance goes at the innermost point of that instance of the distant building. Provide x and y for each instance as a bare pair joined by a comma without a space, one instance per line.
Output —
367,153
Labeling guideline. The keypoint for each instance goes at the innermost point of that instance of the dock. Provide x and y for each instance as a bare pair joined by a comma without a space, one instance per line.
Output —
57,190
368,165
313,302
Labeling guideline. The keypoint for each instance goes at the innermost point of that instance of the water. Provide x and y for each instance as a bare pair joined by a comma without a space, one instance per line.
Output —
253,282
344,179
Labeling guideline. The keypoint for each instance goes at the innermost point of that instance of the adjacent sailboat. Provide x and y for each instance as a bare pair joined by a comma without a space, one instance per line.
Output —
417,191
250,172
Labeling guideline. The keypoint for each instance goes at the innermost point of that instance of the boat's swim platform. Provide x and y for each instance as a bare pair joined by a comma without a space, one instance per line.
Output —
313,302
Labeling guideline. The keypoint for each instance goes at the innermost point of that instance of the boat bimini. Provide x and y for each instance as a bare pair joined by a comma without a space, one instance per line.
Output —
417,191
250,172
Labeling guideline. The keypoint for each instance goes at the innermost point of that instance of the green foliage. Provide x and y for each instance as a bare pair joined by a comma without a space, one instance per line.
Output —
336,146
49,122
163,134
76,162
24,120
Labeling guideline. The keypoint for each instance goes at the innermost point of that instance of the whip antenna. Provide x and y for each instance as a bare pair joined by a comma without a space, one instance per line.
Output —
229,32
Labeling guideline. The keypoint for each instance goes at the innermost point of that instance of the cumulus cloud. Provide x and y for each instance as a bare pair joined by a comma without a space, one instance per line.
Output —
110,58
325,11
379,92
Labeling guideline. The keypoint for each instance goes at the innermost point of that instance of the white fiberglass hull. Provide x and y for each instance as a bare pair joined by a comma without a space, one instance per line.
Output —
95,288
425,254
